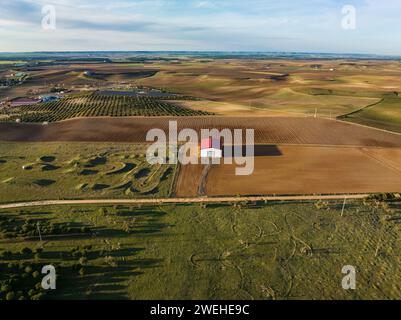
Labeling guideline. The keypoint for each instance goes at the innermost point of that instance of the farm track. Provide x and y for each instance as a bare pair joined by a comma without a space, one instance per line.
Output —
382,161
268,130
202,184
177,200
344,116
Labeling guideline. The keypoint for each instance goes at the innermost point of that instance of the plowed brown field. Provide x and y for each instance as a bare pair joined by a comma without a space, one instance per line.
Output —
189,180
275,130
312,170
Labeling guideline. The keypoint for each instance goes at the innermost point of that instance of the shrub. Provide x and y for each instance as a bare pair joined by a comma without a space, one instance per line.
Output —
12,265
82,271
5,288
26,251
10,296
5,254
21,266
28,269
38,296
83,260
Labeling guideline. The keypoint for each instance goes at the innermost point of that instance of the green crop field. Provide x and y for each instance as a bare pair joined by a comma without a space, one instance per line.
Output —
248,251
384,115
4,62
93,104
30,171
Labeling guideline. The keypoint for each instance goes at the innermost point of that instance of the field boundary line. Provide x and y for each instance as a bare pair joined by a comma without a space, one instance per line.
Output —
178,200
381,161
343,116
368,127
173,186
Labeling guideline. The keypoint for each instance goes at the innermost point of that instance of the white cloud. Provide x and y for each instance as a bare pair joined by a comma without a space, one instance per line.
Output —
205,4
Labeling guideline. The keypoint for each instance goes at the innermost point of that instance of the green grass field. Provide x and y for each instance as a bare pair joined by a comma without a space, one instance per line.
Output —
30,171
385,115
264,251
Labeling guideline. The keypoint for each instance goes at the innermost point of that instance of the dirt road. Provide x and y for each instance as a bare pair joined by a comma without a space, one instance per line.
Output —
176,200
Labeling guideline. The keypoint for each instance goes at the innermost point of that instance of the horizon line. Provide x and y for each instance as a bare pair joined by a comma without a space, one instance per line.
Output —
205,52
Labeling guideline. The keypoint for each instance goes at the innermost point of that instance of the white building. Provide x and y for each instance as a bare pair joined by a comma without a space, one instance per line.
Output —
211,148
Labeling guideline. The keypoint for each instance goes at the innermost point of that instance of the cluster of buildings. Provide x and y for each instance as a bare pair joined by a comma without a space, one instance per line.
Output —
24,101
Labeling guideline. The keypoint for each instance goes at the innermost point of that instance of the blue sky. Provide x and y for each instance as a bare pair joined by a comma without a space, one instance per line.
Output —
232,25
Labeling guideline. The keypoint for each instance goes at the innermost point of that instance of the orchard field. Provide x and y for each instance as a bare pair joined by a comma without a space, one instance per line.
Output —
93,104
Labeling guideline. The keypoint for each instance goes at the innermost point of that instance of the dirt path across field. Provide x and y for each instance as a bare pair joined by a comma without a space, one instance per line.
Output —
177,200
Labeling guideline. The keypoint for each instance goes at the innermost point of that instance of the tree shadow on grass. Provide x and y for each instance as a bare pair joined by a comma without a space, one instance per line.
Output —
149,228
44,182
218,205
100,186
88,172
91,255
48,159
49,167
101,282
37,213
97,161
141,212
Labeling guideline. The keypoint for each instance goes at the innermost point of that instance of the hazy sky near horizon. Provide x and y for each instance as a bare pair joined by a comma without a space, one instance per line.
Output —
211,25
